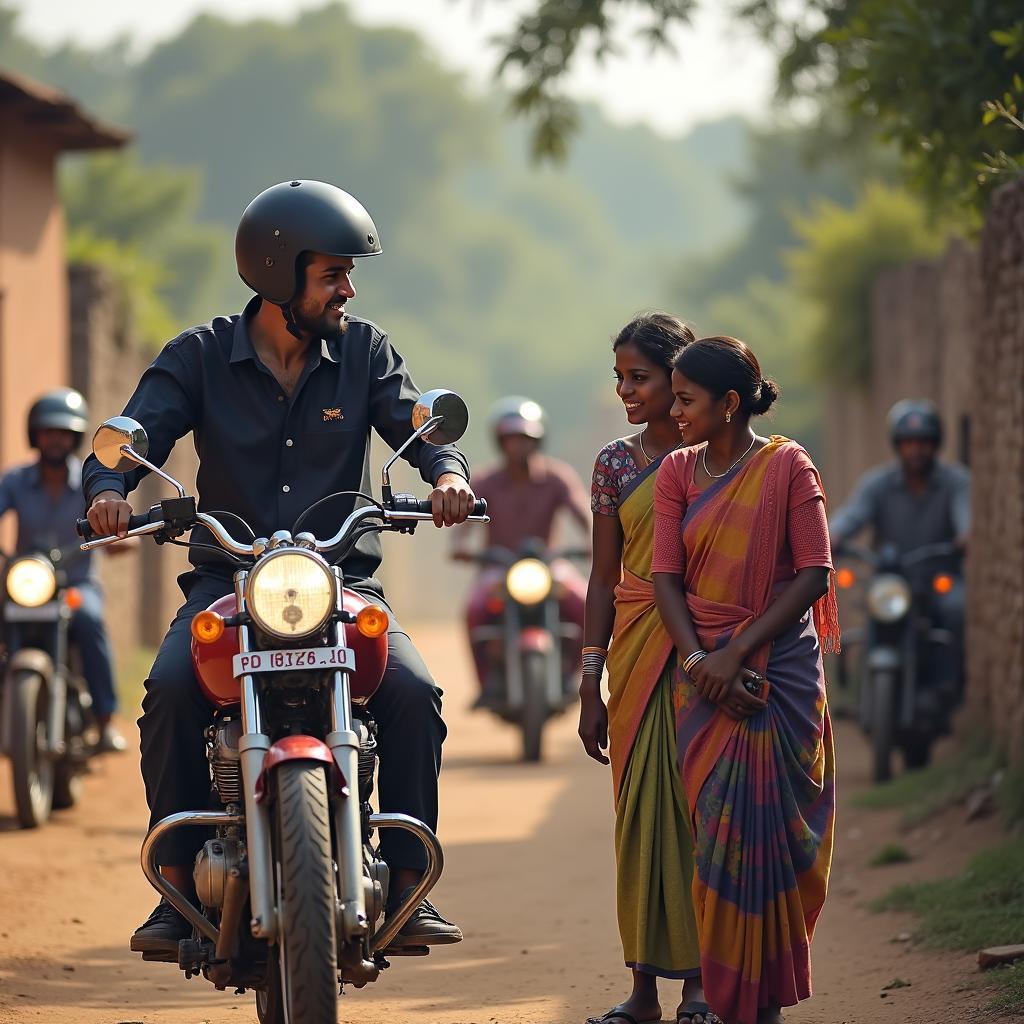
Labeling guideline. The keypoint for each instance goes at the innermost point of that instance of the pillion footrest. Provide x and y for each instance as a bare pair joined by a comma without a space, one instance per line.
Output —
406,951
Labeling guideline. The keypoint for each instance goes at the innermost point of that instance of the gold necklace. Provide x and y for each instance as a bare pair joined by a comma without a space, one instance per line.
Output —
640,438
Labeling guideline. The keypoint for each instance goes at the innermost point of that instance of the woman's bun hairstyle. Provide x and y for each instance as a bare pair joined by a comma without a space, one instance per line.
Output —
766,398
722,364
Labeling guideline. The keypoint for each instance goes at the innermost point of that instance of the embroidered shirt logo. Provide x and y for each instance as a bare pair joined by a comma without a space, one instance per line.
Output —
333,416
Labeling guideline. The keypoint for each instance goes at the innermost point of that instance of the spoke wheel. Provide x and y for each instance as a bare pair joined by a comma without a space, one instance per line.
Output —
31,768
302,972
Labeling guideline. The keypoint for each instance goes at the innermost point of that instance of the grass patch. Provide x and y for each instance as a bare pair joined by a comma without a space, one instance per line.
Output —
982,907
891,853
924,793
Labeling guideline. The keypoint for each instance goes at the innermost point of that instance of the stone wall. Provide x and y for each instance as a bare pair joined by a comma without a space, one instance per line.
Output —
953,331
996,618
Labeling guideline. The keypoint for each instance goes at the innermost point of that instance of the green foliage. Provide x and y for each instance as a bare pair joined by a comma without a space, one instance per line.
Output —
140,222
945,782
540,50
920,72
979,908
843,252
137,278
891,853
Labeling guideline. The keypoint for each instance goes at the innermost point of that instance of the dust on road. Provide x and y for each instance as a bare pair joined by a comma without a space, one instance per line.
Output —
528,876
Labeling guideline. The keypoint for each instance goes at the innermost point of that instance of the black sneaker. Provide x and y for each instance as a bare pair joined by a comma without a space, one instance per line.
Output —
426,927
162,932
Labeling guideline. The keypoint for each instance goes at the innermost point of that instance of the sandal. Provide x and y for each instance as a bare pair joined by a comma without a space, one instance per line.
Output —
686,1013
624,1015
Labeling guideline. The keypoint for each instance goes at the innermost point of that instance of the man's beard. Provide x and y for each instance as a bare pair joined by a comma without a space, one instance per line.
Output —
320,325
54,460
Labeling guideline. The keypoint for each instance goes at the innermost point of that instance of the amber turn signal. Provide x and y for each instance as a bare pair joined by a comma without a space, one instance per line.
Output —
73,598
207,627
845,579
943,583
372,621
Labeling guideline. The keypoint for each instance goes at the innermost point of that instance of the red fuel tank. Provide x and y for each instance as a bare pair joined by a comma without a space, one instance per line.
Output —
212,662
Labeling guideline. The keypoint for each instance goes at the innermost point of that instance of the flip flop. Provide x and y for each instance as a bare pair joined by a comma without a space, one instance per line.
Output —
622,1015
688,1011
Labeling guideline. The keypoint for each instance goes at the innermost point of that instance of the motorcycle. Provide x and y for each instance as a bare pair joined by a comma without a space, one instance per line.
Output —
529,648
46,711
900,643
291,886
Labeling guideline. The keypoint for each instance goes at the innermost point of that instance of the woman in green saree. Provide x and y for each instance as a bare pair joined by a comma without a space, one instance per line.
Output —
653,845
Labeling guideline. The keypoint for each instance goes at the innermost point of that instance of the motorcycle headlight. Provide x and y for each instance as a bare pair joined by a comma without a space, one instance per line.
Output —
31,582
528,581
290,594
888,598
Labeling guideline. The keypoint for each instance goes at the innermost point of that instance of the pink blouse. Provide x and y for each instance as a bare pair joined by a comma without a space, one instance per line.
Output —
807,541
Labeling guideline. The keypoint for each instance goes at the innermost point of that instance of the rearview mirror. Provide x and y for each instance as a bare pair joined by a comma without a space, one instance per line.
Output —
446,405
113,436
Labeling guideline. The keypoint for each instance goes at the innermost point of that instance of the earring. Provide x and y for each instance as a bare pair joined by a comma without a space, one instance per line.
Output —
728,417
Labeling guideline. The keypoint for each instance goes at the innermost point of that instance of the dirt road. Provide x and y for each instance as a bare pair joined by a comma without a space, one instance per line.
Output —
528,876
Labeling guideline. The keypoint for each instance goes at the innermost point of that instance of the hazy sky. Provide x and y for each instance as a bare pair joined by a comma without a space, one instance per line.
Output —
717,68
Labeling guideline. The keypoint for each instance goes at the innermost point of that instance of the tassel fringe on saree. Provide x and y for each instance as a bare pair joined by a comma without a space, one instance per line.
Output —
653,845
761,790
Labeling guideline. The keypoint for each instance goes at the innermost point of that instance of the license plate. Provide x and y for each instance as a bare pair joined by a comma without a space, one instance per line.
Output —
19,613
253,662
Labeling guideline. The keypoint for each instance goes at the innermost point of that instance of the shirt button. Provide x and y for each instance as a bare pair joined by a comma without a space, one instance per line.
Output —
286,488
280,398
289,442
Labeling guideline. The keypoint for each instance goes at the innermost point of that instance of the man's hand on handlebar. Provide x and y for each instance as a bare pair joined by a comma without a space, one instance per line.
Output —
452,500
109,514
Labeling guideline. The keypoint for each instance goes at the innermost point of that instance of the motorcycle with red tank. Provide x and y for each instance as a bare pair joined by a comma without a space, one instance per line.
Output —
291,886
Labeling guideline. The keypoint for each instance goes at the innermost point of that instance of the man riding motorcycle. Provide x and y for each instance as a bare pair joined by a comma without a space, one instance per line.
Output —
46,496
916,501
525,493
296,374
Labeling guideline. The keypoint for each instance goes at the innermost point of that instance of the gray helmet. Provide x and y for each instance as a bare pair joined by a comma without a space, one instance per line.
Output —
295,217
517,415
60,409
915,419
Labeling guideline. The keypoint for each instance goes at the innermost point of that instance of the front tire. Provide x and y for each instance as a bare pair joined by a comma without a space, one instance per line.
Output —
883,724
535,705
303,971
31,768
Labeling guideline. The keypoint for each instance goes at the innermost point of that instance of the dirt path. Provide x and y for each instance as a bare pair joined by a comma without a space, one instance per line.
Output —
528,876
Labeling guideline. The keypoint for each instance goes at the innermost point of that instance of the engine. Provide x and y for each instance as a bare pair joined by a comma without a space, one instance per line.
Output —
222,751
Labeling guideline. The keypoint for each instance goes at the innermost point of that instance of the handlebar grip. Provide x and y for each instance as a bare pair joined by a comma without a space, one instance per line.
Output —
479,509
87,533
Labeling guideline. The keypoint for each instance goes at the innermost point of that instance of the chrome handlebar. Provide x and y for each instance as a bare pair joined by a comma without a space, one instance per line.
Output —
228,543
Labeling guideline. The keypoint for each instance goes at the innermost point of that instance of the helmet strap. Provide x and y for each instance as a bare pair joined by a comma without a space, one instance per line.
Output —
289,321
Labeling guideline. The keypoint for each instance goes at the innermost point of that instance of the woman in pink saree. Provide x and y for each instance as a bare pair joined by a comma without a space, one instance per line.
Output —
742,577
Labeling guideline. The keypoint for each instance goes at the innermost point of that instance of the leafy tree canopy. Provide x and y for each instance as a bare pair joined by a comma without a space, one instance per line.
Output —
941,79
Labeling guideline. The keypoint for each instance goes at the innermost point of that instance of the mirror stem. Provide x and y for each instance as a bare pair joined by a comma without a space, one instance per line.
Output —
135,457
385,483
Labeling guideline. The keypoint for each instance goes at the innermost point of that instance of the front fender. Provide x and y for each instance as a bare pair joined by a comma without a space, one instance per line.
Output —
298,748
30,659
535,639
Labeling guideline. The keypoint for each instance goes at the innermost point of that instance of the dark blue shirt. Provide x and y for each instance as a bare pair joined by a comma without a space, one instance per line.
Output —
267,457
45,523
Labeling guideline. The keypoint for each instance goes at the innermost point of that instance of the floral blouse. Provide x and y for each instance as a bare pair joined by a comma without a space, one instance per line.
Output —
614,468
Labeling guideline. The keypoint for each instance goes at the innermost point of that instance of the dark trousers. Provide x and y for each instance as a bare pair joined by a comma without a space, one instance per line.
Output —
89,636
407,708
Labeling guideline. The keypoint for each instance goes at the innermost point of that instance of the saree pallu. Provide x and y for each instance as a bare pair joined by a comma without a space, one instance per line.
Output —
761,790
653,845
